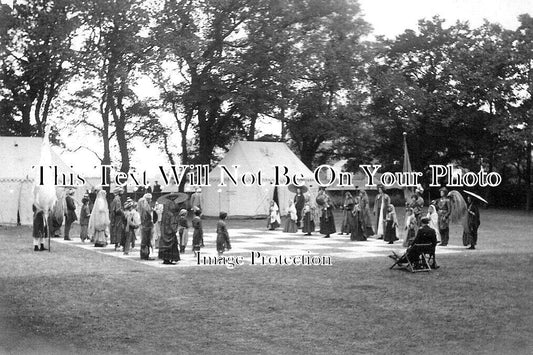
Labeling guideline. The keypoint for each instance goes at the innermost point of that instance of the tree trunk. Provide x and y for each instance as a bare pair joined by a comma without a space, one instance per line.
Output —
528,176
206,145
283,124
251,132
26,120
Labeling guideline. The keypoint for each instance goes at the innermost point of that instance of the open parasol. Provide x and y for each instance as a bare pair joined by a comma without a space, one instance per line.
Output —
476,196
292,188
177,197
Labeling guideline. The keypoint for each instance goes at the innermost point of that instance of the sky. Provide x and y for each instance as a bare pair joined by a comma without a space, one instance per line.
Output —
387,17
390,17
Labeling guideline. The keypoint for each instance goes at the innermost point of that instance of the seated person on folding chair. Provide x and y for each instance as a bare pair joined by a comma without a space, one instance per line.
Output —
425,235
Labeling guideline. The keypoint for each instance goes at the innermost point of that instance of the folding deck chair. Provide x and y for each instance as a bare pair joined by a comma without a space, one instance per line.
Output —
425,252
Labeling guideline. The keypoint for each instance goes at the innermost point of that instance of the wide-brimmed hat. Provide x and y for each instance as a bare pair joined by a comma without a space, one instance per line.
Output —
118,190
293,188
183,212
443,189
424,220
129,203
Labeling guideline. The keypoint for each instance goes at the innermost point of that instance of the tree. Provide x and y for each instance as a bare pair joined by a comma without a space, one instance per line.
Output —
239,60
331,68
115,49
523,125
38,59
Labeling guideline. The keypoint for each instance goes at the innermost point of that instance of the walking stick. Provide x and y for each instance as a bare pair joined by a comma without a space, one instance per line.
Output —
48,234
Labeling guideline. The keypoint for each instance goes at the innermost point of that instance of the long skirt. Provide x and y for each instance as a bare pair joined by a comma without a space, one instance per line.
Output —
347,221
197,238
83,232
168,248
272,223
309,224
327,225
390,232
118,234
100,238
357,232
290,226
367,223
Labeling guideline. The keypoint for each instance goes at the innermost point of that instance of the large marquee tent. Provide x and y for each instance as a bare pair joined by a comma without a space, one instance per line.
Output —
253,201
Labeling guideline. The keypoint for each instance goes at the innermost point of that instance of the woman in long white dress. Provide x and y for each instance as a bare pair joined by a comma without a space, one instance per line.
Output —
434,220
99,221
274,219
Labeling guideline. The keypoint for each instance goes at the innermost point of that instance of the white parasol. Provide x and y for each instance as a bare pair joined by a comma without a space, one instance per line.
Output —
476,196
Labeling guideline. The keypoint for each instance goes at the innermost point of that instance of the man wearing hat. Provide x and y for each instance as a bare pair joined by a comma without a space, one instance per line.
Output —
196,200
425,235
133,221
444,209
147,223
70,213
85,214
299,203
116,217
381,205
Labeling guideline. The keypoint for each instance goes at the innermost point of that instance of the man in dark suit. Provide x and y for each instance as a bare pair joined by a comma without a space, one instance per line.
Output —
425,235
70,214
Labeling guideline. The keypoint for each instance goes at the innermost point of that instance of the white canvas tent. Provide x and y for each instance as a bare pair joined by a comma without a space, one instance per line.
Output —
17,156
254,201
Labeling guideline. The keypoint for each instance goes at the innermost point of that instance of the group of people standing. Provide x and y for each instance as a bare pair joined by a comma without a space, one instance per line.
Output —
63,211
305,213
118,223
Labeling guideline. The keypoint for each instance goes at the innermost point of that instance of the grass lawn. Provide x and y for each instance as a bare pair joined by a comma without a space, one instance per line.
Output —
77,301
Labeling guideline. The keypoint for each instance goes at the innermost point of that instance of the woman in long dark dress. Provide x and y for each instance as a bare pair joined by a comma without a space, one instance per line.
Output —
198,234
327,223
391,223
168,242
223,242
365,214
347,215
470,232
299,202
357,232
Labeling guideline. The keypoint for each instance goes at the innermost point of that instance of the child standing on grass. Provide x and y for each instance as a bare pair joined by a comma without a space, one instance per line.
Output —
85,213
222,234
183,230
308,223
198,234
